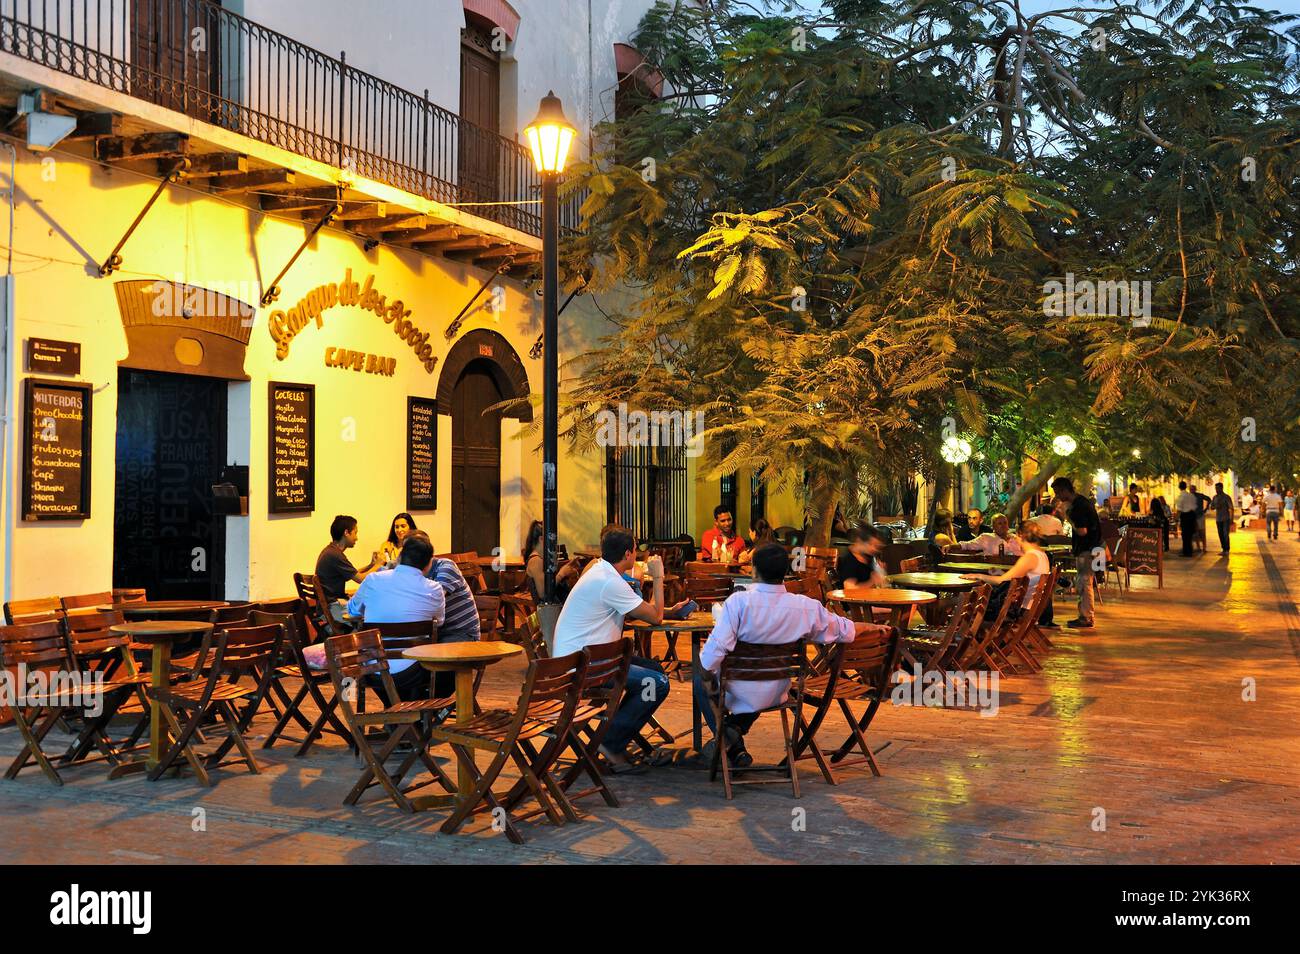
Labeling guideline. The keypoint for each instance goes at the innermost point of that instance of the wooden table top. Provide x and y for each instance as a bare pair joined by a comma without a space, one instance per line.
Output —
882,596
160,630
507,563
697,622
930,580
161,607
463,654
972,567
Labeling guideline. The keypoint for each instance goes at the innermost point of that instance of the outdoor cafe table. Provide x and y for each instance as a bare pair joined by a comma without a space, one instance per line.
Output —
697,626
160,634
938,583
899,602
464,659
159,609
974,567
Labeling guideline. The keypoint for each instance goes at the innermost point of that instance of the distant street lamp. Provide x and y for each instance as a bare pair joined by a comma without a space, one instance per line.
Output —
549,137
956,451
1064,444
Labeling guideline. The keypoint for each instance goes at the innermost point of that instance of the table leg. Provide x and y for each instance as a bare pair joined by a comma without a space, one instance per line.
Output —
697,718
159,678
464,714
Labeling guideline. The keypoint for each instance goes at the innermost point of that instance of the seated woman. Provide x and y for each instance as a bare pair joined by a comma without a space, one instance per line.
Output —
402,524
760,532
535,566
1033,563
944,536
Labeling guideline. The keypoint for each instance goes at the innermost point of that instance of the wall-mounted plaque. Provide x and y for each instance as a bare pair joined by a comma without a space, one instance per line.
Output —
421,453
47,356
291,433
56,450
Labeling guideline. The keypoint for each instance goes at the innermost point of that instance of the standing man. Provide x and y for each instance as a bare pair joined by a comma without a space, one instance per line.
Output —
1187,506
1087,538
721,542
1202,508
1247,502
1222,505
1272,512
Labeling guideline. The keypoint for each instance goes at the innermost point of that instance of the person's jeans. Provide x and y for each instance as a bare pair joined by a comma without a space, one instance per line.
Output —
412,685
740,721
1187,529
647,688
1270,524
1086,583
1225,530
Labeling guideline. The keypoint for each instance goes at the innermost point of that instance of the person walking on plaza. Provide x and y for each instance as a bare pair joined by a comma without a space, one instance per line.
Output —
1222,505
1288,510
1202,507
1161,514
1087,539
1188,507
1272,512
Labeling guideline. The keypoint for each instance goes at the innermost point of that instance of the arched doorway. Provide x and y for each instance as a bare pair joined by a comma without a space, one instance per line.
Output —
481,370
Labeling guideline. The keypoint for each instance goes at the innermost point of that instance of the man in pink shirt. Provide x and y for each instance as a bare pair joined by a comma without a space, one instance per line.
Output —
765,613
729,544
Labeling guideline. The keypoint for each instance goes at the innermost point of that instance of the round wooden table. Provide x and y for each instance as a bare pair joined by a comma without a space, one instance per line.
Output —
930,581
989,568
159,609
160,634
697,626
464,659
899,602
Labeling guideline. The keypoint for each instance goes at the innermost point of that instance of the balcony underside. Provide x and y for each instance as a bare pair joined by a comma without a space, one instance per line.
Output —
123,131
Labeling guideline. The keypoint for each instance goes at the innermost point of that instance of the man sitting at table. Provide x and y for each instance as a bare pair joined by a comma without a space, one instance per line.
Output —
1001,542
764,613
974,526
593,614
403,594
721,540
460,622
860,565
334,569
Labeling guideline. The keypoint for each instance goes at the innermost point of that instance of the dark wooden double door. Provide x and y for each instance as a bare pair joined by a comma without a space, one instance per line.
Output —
175,55
475,461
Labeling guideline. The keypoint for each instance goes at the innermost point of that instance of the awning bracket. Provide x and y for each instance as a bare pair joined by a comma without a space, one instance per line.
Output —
114,260
539,346
454,327
273,292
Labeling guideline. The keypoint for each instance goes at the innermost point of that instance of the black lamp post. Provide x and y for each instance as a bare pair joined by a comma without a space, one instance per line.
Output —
549,137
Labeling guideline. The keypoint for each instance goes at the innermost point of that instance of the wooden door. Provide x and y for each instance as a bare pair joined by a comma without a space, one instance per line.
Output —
475,461
480,113
174,55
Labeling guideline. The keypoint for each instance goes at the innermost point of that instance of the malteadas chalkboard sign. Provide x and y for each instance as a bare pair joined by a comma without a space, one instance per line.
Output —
56,450
291,432
421,453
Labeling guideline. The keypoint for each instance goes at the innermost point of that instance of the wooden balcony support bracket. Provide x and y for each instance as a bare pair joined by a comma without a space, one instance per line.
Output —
114,260
354,211
273,292
213,164
250,181
391,224
313,200
454,327
441,233
158,145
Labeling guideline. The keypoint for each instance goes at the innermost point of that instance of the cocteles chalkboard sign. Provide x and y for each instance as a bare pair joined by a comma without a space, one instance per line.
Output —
291,431
421,453
56,450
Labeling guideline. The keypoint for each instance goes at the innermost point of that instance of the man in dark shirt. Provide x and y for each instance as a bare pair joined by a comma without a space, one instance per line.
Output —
860,566
334,569
973,528
1222,506
1085,545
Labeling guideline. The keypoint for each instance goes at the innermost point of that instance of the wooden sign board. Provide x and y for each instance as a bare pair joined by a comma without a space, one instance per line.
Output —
291,439
1144,553
47,356
56,450
421,454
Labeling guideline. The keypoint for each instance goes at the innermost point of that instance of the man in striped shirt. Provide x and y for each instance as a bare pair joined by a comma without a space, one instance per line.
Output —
460,623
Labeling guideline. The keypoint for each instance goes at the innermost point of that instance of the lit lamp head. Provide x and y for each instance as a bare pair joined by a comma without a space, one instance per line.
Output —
550,135
1064,444
955,450
1101,477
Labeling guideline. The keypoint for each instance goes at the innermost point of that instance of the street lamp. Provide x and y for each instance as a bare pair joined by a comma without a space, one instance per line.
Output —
955,451
549,137
1064,444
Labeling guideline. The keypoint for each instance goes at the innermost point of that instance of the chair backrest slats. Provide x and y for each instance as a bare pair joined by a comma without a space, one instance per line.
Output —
750,662
35,645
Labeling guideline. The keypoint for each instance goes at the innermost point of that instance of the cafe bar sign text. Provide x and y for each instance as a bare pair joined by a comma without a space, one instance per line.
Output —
285,325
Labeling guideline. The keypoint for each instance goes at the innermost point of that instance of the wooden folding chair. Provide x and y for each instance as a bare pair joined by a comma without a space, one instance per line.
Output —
759,662
313,683
1013,645
352,659
489,612
42,649
980,649
317,606
40,610
932,647
130,595
859,671
86,601
237,653
93,647
507,736
913,564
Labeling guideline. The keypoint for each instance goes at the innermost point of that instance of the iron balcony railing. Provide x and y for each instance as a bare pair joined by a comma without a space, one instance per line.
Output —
197,58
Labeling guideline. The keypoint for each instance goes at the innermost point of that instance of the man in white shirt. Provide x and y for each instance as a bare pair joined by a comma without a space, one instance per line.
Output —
1049,522
1001,542
1189,508
403,595
1272,512
1247,505
764,613
593,614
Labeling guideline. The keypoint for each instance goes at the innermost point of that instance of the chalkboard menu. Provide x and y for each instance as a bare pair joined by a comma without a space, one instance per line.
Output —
291,429
421,453
1144,552
56,450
